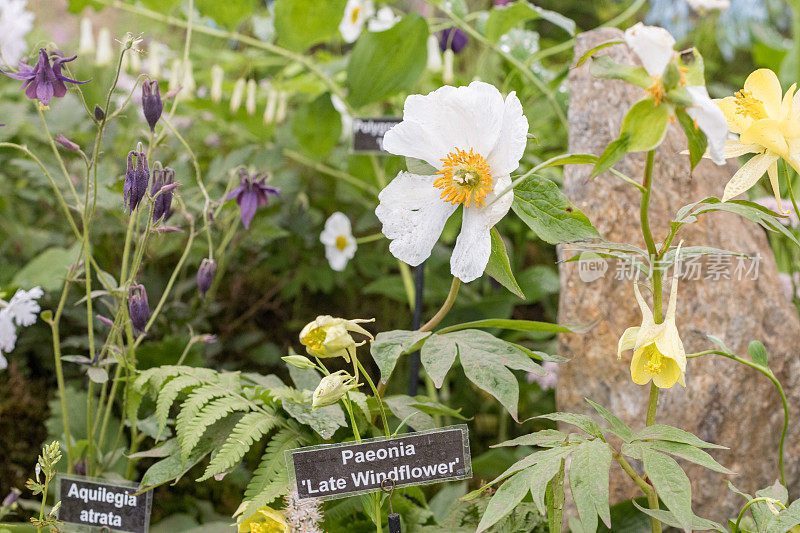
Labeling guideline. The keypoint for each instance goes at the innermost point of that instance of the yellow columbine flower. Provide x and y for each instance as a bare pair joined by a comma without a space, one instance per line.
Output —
265,520
768,124
658,352
330,337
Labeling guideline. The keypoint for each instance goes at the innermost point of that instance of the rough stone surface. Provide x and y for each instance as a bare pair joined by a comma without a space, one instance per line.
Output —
724,402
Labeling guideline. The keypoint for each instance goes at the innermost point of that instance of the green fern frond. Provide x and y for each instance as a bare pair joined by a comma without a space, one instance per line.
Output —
270,479
192,406
168,394
155,377
250,428
215,410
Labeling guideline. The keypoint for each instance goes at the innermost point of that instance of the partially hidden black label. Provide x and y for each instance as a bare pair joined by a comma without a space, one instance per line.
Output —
338,470
368,133
96,504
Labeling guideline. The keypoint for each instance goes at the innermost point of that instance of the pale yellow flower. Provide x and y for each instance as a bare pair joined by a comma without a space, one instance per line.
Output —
265,520
332,388
330,337
658,352
768,124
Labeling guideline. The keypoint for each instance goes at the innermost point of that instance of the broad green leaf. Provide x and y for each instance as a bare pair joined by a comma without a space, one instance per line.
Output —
758,353
324,420
546,438
549,213
540,475
605,67
300,23
388,346
503,18
404,407
671,484
691,63
580,421
505,499
695,136
499,267
437,355
97,374
385,63
229,13
615,151
678,449
593,50
668,518
48,269
588,479
670,433
317,126
619,428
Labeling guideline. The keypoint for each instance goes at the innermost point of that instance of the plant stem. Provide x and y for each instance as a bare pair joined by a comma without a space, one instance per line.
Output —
375,392
62,393
652,405
446,306
751,502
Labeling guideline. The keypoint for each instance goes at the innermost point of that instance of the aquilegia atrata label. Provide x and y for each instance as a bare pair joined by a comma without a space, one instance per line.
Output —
97,503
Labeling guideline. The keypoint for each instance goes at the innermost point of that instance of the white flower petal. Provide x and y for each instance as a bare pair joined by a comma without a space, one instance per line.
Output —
504,158
653,45
711,121
413,216
23,307
474,243
384,19
336,225
436,124
8,333
356,13
3,362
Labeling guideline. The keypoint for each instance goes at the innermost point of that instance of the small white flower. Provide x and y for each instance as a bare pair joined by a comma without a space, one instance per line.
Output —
15,23
711,121
188,85
653,45
356,14
250,101
105,48
156,55
271,107
340,245
283,103
86,45
238,93
475,139
23,306
434,54
383,20
217,76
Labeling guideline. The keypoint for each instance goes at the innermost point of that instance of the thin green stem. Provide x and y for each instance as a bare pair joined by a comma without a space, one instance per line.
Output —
652,405
751,502
330,171
369,238
446,306
375,392
408,283
62,393
56,153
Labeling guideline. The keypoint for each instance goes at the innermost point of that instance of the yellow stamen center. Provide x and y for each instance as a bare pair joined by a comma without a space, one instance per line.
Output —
464,178
655,363
748,105
341,242
354,15
656,90
314,339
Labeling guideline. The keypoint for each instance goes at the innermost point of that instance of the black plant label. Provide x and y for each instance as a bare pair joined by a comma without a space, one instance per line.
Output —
96,503
333,471
368,133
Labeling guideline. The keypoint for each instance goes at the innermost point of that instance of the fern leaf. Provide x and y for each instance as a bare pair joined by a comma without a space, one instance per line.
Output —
250,428
192,406
270,479
215,410
156,376
169,393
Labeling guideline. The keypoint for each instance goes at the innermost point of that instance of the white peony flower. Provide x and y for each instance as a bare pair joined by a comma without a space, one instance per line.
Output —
474,139
15,23
654,46
23,306
383,20
340,245
356,14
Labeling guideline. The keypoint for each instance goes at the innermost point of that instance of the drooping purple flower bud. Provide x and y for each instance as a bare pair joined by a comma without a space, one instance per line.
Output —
105,321
205,275
151,102
136,179
454,39
42,81
99,114
138,308
163,178
251,194
66,143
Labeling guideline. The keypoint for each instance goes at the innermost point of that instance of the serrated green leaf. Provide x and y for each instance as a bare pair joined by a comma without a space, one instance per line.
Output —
619,428
499,266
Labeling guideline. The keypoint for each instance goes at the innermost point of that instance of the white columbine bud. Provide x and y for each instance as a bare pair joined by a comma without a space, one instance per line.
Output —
250,103
105,49
447,73
272,106
236,97
86,45
217,76
434,54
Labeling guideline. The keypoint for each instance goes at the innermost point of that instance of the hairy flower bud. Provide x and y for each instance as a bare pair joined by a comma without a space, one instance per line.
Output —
161,191
99,114
332,388
205,275
66,143
236,97
136,179
138,308
151,102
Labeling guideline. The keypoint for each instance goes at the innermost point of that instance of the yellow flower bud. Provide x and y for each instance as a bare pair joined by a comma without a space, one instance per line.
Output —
298,361
332,388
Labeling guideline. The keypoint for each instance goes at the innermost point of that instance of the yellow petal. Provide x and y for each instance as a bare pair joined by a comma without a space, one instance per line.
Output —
772,172
669,376
786,103
748,174
763,84
673,293
647,314
627,341
737,123
639,375
669,343
767,133
736,148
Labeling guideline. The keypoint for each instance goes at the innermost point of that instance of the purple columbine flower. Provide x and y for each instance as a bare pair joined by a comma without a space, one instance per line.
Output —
251,194
151,103
162,178
138,308
136,179
454,39
43,82
205,275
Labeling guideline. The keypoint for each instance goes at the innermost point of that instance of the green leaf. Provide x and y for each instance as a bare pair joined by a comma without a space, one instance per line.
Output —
618,427
588,479
626,518
670,433
505,499
605,67
385,63
325,420
503,18
593,50
499,267
549,213
388,346
681,450
580,421
671,484
48,269
229,13
668,518
516,325
695,136
546,438
613,153
437,355
317,126
300,23
404,407
758,353
96,374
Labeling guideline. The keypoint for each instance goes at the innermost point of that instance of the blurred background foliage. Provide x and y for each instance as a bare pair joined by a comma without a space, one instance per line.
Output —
274,277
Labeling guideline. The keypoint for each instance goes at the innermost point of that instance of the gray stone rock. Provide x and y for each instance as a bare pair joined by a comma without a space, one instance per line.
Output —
724,402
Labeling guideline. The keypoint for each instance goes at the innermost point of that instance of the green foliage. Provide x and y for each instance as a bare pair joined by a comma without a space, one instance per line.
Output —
317,126
300,24
499,266
503,18
388,346
228,14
